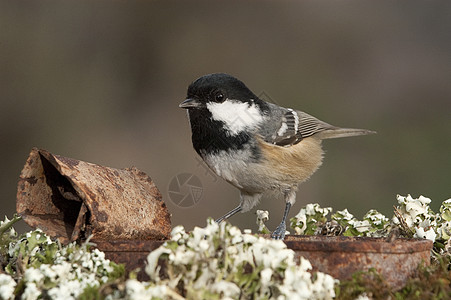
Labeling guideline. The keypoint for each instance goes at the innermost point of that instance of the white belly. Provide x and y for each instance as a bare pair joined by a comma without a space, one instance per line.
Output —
242,172
278,169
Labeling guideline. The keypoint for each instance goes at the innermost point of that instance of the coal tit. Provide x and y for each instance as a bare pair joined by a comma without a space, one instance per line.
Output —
256,146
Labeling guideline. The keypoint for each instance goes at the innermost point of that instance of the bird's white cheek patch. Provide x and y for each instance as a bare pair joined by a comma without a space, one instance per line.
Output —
237,116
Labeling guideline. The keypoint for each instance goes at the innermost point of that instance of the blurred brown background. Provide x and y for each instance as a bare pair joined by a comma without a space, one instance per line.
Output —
101,81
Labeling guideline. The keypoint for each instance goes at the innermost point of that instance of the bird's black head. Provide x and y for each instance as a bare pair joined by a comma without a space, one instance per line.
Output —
217,88
223,113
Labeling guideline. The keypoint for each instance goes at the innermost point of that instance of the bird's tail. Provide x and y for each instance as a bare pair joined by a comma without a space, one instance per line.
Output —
342,132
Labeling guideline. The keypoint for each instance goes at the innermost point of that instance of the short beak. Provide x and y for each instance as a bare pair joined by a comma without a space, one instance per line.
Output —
190,103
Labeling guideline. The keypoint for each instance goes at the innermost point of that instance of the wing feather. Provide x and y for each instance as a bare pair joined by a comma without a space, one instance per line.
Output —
295,126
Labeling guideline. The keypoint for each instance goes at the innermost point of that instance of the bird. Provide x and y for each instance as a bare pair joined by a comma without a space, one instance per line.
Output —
257,146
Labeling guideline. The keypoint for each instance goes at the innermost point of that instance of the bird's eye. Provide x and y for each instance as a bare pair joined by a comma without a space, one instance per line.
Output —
219,97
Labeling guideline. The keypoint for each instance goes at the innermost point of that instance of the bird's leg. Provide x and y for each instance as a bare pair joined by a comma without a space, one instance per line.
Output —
279,233
247,201
229,214
290,198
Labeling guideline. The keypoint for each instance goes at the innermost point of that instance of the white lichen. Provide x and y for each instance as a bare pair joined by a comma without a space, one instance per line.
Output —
221,260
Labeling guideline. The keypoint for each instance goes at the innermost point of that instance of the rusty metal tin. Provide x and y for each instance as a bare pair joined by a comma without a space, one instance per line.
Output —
338,256
71,199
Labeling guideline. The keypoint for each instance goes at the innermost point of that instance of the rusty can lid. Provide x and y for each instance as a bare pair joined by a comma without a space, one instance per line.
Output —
356,244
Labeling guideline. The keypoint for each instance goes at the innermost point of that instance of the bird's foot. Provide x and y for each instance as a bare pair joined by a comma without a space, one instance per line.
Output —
279,233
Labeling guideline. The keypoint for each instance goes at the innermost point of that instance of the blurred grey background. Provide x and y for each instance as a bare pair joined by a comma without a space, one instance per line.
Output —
101,81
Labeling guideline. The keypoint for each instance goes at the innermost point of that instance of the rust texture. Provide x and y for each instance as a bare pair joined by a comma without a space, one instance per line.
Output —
133,254
342,256
338,256
71,199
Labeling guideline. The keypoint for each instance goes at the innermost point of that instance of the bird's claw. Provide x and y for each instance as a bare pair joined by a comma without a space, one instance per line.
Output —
279,233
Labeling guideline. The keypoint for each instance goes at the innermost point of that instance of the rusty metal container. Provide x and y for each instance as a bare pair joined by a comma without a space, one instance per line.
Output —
338,256
71,199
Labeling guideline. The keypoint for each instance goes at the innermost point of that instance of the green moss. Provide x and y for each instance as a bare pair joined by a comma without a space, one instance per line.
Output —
431,282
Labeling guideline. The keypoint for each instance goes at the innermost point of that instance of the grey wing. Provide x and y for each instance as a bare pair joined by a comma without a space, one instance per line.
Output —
292,126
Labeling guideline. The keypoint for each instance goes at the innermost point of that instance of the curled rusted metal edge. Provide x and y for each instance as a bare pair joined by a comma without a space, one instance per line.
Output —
71,199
